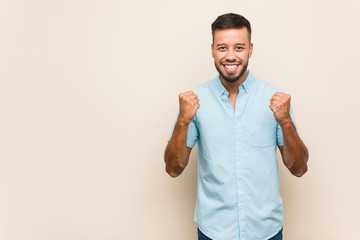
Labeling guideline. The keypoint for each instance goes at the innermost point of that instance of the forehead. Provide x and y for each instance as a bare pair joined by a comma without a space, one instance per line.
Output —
231,36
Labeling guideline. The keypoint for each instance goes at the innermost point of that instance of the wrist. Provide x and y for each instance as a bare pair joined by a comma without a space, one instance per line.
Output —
286,122
183,121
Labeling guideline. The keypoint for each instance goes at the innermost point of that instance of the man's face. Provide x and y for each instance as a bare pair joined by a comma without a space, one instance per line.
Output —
231,51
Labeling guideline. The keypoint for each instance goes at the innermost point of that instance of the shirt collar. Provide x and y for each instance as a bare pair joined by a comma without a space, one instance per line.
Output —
247,85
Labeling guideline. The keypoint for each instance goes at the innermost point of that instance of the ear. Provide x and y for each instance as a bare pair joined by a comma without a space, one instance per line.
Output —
251,49
212,50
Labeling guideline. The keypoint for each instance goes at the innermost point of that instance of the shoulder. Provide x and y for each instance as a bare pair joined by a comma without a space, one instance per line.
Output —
205,88
266,88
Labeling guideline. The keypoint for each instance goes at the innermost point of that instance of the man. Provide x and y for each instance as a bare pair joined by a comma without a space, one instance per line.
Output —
237,121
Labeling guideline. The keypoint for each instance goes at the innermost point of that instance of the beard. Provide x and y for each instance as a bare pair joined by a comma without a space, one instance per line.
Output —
231,78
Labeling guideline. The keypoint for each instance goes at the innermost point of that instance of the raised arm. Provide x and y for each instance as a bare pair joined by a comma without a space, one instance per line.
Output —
177,153
294,152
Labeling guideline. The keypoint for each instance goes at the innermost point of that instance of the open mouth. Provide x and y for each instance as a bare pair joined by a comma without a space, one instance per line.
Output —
231,67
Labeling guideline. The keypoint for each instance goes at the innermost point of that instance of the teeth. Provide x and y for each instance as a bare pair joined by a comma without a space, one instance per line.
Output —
231,66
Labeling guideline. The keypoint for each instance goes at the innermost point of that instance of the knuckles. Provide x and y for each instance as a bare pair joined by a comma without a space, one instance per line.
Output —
280,97
188,96
186,93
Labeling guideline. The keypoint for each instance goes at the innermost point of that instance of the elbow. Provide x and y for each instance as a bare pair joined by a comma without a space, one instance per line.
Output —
301,169
304,168
173,172
172,167
173,164
300,172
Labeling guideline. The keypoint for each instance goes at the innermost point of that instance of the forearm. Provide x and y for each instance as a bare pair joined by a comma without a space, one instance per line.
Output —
177,153
294,152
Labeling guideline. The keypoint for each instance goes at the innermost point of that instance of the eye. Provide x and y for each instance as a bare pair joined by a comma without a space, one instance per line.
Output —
221,48
239,48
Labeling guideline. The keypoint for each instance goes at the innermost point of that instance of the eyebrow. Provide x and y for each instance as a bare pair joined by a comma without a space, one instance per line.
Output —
224,44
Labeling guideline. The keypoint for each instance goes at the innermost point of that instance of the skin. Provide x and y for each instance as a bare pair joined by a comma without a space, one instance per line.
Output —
233,47
177,153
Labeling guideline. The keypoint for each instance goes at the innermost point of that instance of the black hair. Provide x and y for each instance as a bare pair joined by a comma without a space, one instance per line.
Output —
230,20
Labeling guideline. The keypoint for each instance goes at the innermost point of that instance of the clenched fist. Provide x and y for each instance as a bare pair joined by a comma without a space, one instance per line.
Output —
189,104
280,105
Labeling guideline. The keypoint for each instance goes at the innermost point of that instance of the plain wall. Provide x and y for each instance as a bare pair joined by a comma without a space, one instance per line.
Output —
89,95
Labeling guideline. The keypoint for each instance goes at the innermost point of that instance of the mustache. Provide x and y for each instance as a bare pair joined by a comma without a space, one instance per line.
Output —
230,61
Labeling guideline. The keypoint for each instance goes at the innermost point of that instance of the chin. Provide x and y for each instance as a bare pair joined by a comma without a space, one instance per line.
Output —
232,78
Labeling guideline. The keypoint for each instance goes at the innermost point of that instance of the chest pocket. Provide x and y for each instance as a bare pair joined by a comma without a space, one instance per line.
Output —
262,134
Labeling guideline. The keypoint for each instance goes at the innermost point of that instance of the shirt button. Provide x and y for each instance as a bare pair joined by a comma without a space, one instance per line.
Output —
238,164
237,143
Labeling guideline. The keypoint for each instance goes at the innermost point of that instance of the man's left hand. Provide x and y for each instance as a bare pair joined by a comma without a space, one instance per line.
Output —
280,105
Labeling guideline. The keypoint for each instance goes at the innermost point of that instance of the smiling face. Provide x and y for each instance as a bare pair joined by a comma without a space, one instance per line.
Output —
231,51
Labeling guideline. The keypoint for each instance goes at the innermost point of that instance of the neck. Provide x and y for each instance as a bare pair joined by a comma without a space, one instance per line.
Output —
233,88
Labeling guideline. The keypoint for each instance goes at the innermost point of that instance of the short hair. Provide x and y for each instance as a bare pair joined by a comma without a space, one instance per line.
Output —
228,21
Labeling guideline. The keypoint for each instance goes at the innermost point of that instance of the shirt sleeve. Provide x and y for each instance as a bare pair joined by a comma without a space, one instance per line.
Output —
192,134
279,134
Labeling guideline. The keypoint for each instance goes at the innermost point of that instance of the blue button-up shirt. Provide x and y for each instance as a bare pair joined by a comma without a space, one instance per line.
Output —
238,182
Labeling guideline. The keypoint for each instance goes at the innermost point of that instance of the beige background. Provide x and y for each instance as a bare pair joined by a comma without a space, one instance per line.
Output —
88,97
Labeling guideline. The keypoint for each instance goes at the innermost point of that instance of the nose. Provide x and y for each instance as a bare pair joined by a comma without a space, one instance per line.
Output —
230,55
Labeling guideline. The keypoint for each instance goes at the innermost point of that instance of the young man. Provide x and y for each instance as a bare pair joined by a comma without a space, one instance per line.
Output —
237,121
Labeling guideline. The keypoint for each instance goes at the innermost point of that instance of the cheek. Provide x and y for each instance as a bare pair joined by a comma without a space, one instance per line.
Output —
243,55
219,56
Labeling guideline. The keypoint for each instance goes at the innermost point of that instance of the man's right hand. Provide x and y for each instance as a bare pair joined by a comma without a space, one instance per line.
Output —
189,104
